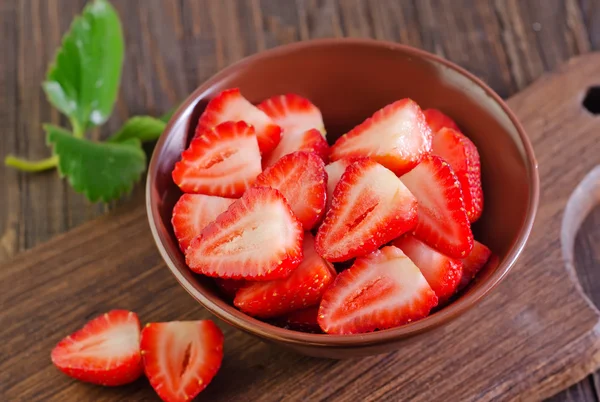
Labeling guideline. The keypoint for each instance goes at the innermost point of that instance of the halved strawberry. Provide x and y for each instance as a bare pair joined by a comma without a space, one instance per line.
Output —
224,161
381,290
193,212
257,238
476,260
334,173
311,141
230,286
303,288
293,113
106,351
304,320
442,272
181,357
438,120
230,105
396,136
443,223
302,180
462,155
370,207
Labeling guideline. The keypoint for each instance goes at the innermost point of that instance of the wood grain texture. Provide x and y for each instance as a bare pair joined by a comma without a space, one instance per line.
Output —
173,45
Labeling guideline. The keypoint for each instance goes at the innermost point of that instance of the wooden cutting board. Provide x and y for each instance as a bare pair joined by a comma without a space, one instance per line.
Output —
533,336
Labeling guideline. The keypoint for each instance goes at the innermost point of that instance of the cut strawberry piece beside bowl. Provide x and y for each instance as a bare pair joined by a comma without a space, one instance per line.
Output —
370,207
106,351
181,358
381,290
311,141
396,136
301,178
223,161
303,288
293,113
442,220
230,105
193,212
438,120
463,157
476,260
441,272
257,238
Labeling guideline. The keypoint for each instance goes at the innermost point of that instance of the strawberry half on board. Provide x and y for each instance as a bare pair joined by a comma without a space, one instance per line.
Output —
438,120
370,207
106,351
230,105
443,223
476,260
257,238
303,288
463,157
301,178
310,141
441,272
381,290
293,113
181,357
193,212
396,136
223,161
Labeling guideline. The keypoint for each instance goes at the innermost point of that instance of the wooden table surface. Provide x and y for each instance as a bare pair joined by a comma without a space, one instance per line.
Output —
174,45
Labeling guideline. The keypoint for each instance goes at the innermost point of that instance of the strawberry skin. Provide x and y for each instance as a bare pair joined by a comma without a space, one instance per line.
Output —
442,220
304,320
229,287
370,207
441,272
257,238
463,157
193,212
293,113
476,260
381,290
223,161
396,136
302,180
230,105
181,358
303,288
310,141
438,120
105,351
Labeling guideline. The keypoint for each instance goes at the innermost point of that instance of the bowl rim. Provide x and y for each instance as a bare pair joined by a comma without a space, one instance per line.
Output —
270,332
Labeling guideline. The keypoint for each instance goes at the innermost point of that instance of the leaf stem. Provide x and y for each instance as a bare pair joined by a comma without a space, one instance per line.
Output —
31,166
78,131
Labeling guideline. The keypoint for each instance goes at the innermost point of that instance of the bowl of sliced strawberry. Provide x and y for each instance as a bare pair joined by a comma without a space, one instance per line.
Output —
342,196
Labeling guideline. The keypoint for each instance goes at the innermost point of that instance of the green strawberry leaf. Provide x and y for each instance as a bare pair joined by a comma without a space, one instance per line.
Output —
83,80
101,171
168,114
144,128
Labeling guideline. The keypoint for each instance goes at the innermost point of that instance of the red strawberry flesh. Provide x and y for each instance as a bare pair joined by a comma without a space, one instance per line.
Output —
473,263
311,141
438,120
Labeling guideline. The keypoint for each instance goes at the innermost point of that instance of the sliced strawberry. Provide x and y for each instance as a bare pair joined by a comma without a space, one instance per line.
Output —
106,351
476,260
311,141
304,320
293,113
438,120
230,105
370,207
462,155
443,223
334,173
193,212
381,290
257,238
181,357
442,272
303,288
230,286
302,180
224,161
396,136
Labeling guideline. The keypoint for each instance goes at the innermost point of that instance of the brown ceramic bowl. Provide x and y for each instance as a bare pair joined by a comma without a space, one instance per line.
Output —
349,79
